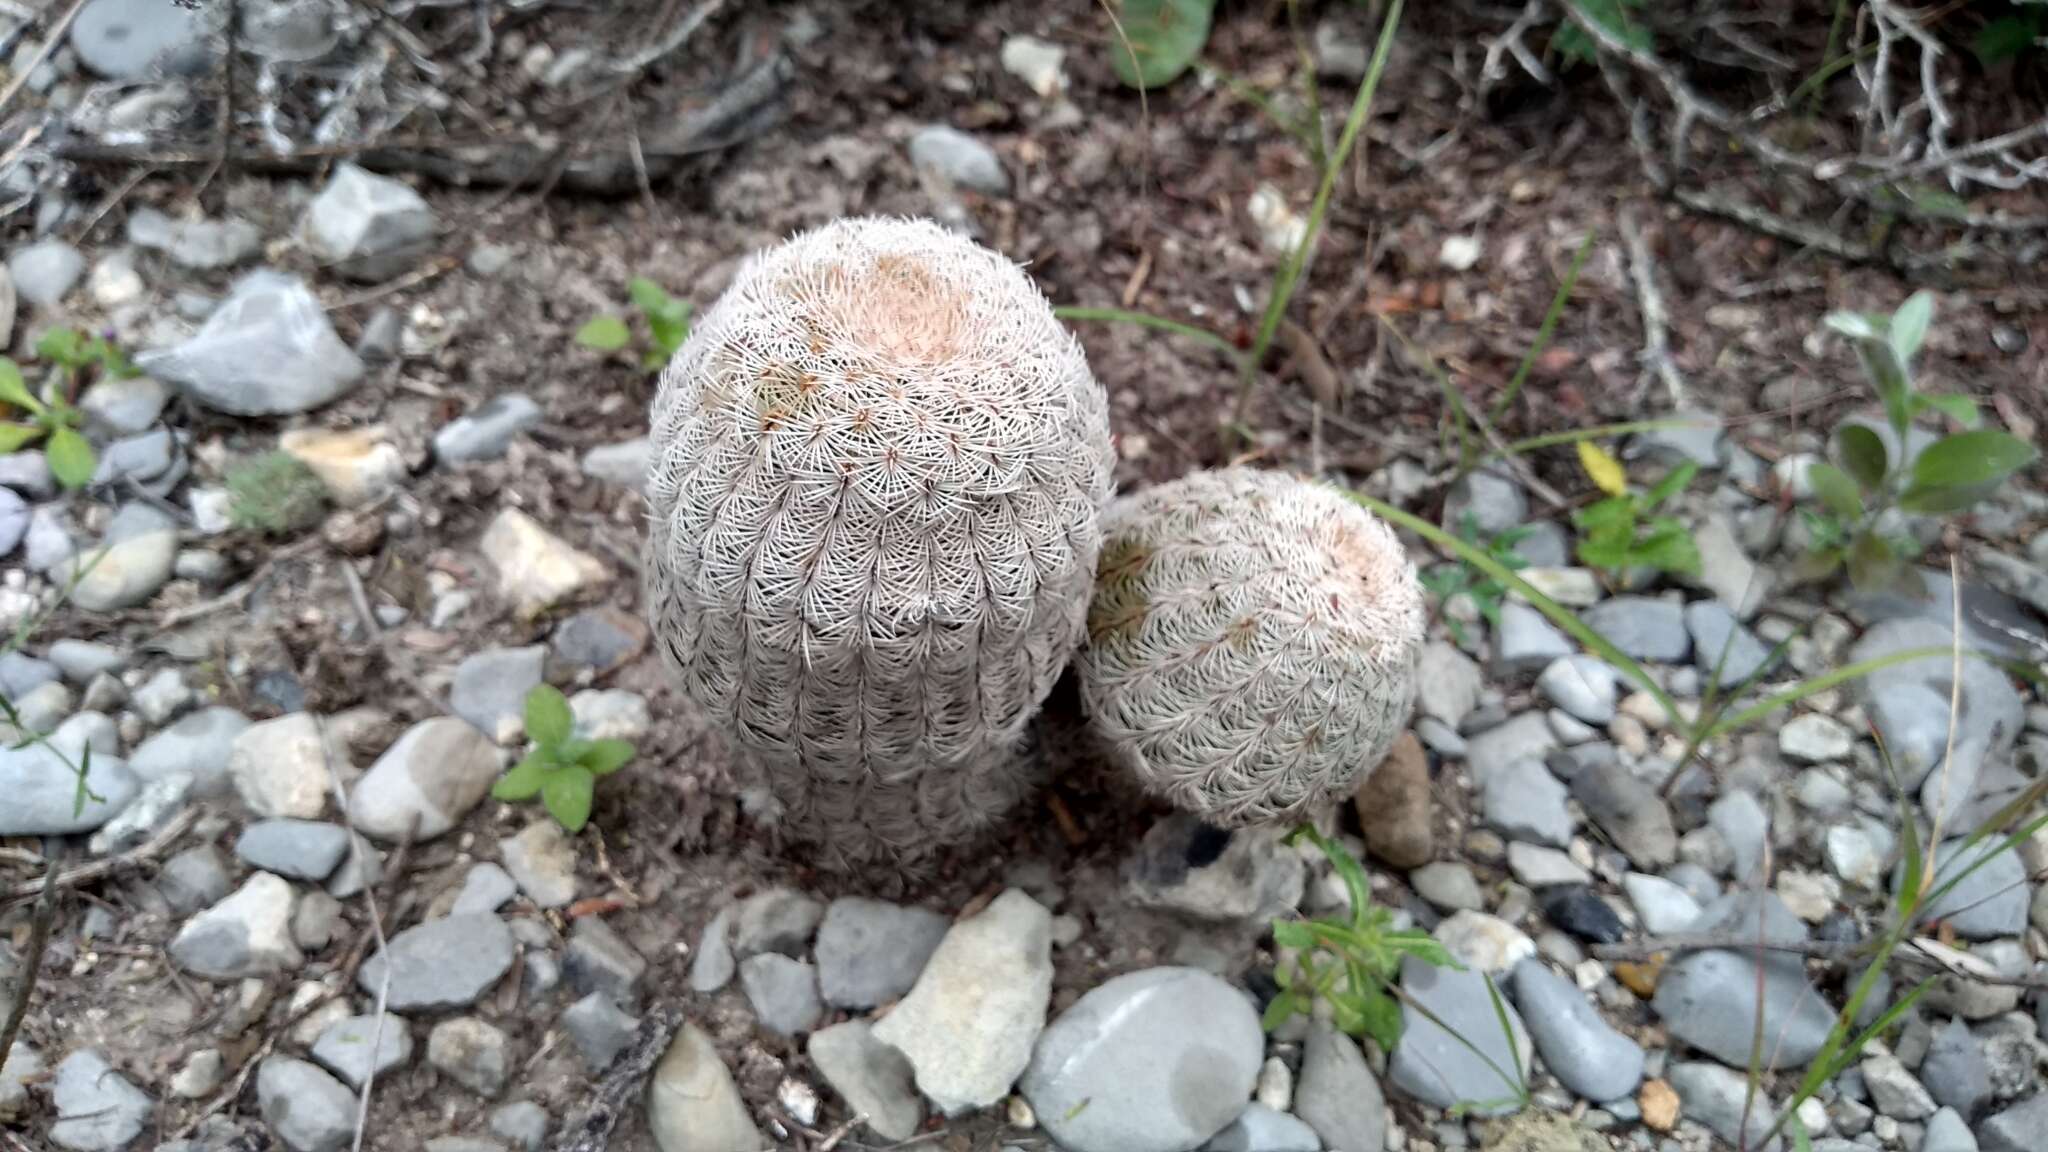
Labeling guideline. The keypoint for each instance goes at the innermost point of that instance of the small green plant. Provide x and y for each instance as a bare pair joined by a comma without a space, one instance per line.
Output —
1156,40
668,325
51,417
1850,530
561,769
1625,530
1486,593
1351,963
274,494
1575,45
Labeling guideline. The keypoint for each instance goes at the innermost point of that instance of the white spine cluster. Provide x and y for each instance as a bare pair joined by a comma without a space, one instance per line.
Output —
879,463
1252,643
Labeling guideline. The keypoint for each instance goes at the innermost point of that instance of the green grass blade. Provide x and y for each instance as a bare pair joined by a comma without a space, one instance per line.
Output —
1549,325
1146,320
1605,432
1558,614
1822,683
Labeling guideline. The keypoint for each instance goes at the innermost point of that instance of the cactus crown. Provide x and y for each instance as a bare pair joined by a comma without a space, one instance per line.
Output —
1252,642
879,466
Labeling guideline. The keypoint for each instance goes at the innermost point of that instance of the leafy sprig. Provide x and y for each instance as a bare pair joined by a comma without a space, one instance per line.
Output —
561,768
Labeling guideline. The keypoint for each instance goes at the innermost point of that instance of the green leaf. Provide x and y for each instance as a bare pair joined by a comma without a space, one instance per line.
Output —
1971,459
84,792
1953,405
1605,513
1863,454
649,297
14,437
1940,501
1283,1008
14,390
1873,566
1836,491
1888,375
1294,934
71,458
548,719
1381,1017
1160,39
1857,325
1674,482
1667,547
567,794
604,333
524,781
1909,325
605,757
2007,36
62,346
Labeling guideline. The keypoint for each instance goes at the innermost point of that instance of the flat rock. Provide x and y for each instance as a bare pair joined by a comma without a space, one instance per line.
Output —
1447,683
870,952
120,574
1432,1064
2018,1128
1205,873
1720,1098
370,227
1580,1049
1261,1129
427,782
1663,908
959,158
969,1024
445,963
485,434
536,569
98,1110
1709,999
1158,1060
1448,885
267,350
45,272
193,879
1954,1069
1630,812
600,639
472,1053
693,1104
42,792
308,1109
624,464
599,1028
489,689
1485,942
783,992
485,888
1947,1131
598,959
775,920
522,1123
1535,867
712,967
1988,903
1526,642
1526,802
280,768
247,934
1642,627
352,1047
200,745
1582,685
297,849
1720,641
873,1078
1812,738
1338,1095
1524,737
200,243
132,39
1486,502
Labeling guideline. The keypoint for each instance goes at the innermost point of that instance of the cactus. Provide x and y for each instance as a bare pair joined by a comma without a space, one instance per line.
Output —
1252,643
878,467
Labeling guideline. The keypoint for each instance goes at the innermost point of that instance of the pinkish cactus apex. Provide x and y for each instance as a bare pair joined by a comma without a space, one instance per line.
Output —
1252,644
878,466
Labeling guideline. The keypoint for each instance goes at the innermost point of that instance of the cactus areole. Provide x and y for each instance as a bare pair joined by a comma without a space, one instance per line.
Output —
878,466
1252,643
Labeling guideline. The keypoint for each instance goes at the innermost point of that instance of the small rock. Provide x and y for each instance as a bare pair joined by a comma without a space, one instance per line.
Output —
1738,585
1214,874
1710,999
1525,801
543,861
599,960
775,920
623,464
1447,683
2018,1128
1988,903
712,968
1338,1095
489,689
1581,685
1641,627
1433,1064
1524,641
1720,1098
1459,253
1525,737
783,992
123,406
601,640
45,272
1579,910
298,849
1394,806
314,921
959,158
485,433
1662,907
968,1025
193,879
1448,885
120,574
1955,1071
445,963
1037,63
1579,1048
523,1123
693,1104
485,888
1813,739
199,745
1744,827
1810,896
1487,502
132,39
1488,943
873,1078
98,1110
351,1048
599,1029
280,767
535,568
471,1053
426,782
1262,1129
198,243
151,809
370,227
1537,867
308,1109
1718,641
1158,1060
611,714
247,934
1630,812
1947,1132
356,465
870,952
200,1075
1893,1089
268,350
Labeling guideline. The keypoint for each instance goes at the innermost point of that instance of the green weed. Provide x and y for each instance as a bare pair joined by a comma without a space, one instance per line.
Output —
560,769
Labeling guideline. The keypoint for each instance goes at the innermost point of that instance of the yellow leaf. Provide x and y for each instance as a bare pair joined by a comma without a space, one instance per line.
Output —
1603,469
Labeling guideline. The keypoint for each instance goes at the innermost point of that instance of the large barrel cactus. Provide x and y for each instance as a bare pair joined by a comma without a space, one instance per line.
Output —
1252,643
878,468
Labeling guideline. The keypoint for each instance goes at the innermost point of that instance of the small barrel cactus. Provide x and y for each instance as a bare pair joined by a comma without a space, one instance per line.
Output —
877,472
1252,643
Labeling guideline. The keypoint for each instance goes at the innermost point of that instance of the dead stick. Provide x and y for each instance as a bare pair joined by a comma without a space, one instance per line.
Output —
620,1089
98,869
32,962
